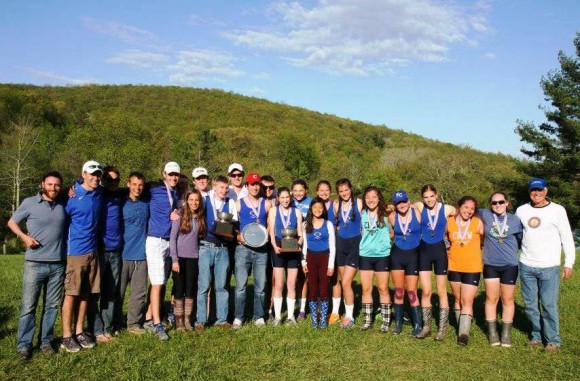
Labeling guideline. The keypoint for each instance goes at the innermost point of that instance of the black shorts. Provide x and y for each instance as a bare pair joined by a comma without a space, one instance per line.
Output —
377,264
289,260
407,260
347,251
433,256
465,278
506,274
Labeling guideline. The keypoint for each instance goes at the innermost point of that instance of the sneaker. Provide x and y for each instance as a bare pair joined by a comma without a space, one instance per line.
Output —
277,322
47,349
200,327
291,322
160,332
69,344
149,326
347,323
237,324
301,316
333,319
136,330
260,322
85,340
25,354
552,348
225,325
104,338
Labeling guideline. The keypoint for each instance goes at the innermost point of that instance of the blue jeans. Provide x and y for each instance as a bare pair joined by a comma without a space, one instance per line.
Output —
107,316
216,258
36,276
246,260
545,284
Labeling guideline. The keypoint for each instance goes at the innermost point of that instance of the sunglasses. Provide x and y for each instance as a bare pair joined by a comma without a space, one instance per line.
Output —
116,181
500,202
269,187
236,175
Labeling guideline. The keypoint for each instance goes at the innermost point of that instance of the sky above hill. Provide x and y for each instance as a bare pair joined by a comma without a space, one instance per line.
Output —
457,71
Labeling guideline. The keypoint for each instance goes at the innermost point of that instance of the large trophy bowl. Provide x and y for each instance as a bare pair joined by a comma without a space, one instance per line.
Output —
224,227
289,241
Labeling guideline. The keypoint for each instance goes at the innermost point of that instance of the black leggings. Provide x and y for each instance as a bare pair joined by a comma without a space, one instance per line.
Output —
185,282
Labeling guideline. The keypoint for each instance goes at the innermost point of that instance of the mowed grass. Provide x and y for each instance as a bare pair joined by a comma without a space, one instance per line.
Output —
294,353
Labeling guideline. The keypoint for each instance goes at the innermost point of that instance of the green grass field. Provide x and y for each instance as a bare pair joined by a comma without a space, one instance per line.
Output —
294,353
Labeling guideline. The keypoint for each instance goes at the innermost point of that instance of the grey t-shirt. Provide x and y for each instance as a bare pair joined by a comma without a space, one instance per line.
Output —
500,248
46,222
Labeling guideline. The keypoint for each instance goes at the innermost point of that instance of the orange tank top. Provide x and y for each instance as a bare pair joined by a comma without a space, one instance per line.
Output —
465,253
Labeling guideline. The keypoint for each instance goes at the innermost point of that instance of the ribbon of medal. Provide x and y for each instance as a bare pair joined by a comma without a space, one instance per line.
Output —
462,233
405,226
285,219
254,209
345,212
373,223
501,229
433,219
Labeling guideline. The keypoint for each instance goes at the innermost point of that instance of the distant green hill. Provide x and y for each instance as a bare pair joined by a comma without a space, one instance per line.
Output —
141,127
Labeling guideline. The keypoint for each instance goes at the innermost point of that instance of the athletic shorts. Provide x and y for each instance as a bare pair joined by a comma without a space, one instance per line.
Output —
289,260
347,251
465,278
433,257
407,260
377,264
506,274
157,253
82,275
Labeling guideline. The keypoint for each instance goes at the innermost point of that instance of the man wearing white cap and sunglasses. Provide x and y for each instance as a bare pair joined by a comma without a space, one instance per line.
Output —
237,189
163,201
82,269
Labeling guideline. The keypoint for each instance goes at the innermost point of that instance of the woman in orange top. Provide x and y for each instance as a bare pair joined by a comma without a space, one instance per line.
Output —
464,232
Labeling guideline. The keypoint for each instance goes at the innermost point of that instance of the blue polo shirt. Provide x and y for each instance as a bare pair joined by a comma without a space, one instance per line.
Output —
83,211
135,219
162,201
46,222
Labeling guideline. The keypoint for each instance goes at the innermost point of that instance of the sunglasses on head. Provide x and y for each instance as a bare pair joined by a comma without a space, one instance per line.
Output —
500,202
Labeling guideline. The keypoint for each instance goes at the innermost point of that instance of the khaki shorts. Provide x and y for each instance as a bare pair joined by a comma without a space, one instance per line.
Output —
82,275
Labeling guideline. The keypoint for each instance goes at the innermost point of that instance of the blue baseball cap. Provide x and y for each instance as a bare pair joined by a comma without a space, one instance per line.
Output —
400,196
537,183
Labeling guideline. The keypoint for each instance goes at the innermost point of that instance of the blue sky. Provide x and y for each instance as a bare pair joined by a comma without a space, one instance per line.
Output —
456,71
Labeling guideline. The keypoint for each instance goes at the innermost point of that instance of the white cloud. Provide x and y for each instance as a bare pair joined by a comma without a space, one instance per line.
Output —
365,37
202,65
126,33
140,59
52,78
262,76
489,56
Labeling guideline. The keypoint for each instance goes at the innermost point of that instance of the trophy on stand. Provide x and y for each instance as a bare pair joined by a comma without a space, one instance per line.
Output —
289,242
224,227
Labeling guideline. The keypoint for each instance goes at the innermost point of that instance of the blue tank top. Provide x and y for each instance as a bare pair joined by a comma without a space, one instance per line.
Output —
413,237
279,226
210,218
248,216
330,211
302,205
428,234
352,226
317,240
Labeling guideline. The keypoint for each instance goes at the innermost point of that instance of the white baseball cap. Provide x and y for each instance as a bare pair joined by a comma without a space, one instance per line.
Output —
199,171
235,166
92,167
172,167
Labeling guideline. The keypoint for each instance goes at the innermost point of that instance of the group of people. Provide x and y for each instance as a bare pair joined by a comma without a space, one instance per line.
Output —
94,240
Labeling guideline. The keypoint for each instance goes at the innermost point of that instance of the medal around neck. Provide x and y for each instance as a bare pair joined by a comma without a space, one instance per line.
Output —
224,226
255,235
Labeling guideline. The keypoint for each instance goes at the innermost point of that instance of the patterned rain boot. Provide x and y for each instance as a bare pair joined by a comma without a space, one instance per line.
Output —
492,334
178,313
323,306
443,323
417,320
313,313
188,313
426,332
464,328
386,312
367,310
399,312
457,314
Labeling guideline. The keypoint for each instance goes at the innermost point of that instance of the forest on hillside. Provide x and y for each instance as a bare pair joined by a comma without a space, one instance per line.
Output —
141,127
